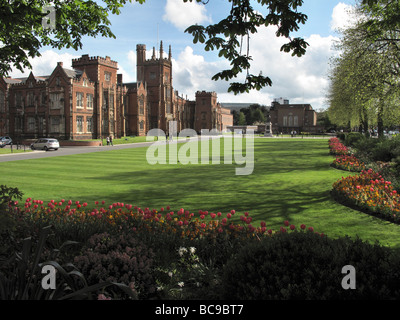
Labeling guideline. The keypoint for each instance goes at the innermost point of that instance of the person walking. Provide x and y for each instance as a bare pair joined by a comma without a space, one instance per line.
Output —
111,140
108,141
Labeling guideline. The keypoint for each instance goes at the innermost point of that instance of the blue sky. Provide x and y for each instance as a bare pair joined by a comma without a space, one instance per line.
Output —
301,80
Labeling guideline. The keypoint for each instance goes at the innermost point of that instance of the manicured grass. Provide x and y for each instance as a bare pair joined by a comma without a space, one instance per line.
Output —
7,150
292,179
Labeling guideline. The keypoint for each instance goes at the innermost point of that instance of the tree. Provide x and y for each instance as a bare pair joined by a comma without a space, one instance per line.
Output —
23,29
364,79
227,36
242,119
23,33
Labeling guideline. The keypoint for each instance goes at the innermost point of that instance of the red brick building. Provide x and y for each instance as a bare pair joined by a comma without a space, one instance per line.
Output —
287,117
90,101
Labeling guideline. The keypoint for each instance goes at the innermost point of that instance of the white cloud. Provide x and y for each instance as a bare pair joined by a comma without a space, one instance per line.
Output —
45,64
342,16
192,73
301,80
183,15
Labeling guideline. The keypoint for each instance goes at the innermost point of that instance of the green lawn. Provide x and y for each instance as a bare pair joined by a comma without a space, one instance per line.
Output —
7,150
291,181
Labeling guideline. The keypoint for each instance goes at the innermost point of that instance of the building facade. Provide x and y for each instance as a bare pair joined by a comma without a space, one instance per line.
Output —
286,117
91,101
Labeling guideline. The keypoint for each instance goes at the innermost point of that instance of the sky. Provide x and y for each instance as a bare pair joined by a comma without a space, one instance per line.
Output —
301,80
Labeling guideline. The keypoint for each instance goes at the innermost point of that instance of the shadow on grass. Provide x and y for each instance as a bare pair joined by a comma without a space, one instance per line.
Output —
217,188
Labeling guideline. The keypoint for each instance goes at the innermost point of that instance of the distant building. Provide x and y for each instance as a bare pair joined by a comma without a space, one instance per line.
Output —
286,117
91,101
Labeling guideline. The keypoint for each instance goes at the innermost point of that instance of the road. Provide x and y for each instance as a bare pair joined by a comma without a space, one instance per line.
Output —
65,151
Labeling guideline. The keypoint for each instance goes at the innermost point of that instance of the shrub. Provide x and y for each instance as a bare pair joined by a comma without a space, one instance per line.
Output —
121,259
352,138
303,265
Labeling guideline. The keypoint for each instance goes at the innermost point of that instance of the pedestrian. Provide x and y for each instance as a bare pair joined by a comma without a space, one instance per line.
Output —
111,140
108,141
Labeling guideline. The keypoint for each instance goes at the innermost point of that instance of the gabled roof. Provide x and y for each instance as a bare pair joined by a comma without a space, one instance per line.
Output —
73,73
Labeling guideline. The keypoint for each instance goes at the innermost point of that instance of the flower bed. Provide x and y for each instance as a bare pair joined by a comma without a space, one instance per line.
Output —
348,163
135,247
369,191
337,148
185,224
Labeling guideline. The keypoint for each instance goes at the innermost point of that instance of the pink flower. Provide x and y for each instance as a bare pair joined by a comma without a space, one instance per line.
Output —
286,223
229,216
292,227
233,212
303,226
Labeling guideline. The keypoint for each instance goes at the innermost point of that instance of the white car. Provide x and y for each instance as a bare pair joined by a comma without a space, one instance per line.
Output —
45,144
5,140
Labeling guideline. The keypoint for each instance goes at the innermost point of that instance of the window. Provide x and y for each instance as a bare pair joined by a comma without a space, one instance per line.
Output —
89,101
31,99
79,100
141,125
296,121
58,81
290,121
55,124
79,124
285,121
56,100
107,76
141,106
152,75
18,123
31,124
89,124
18,100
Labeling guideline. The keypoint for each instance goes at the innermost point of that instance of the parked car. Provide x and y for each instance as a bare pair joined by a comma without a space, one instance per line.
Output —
5,140
45,144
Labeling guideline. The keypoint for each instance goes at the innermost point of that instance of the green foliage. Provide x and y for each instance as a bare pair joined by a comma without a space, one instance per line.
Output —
302,265
353,138
21,274
22,33
226,36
